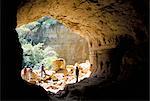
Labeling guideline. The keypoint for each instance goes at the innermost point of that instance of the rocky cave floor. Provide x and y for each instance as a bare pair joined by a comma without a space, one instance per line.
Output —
55,82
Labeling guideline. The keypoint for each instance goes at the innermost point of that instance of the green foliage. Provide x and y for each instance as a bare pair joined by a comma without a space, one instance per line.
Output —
37,31
34,38
37,55
22,32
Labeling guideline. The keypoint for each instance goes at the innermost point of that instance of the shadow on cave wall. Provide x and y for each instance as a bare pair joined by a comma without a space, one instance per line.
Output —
123,46
129,74
128,79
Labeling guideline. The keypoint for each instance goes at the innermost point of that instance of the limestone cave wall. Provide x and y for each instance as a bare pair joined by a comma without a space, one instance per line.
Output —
117,35
107,25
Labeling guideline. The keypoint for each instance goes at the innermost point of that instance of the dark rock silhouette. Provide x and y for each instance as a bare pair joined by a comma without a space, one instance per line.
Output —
13,87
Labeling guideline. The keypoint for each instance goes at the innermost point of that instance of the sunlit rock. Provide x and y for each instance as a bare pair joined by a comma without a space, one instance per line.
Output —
56,79
59,66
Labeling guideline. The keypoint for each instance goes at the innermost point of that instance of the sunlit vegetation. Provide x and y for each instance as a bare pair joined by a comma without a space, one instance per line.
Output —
45,39
34,38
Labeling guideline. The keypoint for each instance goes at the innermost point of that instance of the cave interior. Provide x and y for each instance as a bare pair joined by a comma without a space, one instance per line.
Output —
117,34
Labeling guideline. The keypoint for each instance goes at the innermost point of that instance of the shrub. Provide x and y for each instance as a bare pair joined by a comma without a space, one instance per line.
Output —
37,55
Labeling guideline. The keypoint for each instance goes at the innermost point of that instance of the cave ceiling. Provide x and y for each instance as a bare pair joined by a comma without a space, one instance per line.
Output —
99,21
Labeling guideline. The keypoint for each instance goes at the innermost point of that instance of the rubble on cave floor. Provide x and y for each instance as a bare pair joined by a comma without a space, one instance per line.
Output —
55,81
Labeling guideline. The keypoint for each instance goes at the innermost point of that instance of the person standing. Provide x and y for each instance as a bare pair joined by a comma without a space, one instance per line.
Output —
42,70
77,73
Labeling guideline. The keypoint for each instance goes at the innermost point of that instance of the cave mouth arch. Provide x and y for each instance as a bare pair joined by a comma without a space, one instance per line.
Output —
46,40
103,26
137,89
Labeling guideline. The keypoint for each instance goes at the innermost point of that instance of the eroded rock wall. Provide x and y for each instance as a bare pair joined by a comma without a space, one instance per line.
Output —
101,22
117,36
73,13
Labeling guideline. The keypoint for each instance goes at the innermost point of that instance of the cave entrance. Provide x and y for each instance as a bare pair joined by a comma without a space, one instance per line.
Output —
48,44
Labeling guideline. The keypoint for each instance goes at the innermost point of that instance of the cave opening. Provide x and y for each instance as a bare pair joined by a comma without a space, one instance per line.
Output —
51,48
103,23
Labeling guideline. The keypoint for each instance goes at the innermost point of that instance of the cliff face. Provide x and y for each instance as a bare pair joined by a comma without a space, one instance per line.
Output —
117,35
